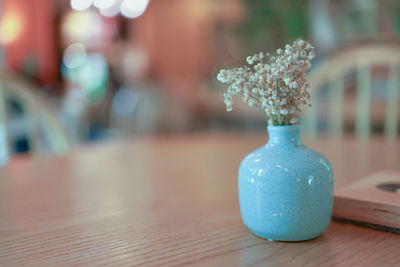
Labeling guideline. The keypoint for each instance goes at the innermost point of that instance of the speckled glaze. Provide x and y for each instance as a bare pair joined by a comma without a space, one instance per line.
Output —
285,188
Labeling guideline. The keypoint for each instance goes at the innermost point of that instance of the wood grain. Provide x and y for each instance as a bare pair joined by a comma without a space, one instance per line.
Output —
170,201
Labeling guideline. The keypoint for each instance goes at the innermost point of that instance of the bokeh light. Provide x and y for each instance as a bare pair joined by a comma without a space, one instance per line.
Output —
91,76
104,4
10,27
94,77
84,26
133,8
81,4
74,55
112,10
124,101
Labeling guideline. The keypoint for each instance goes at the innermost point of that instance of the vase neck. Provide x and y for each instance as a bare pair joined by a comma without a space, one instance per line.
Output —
284,135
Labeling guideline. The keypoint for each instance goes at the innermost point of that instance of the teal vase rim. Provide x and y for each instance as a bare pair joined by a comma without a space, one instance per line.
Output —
284,127
284,134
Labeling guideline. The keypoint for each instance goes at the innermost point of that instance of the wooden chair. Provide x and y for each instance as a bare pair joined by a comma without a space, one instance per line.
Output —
43,131
331,74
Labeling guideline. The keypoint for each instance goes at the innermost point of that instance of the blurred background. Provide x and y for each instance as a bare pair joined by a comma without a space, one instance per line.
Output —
80,71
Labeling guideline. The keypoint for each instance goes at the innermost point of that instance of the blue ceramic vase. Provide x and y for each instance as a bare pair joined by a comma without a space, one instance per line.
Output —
285,188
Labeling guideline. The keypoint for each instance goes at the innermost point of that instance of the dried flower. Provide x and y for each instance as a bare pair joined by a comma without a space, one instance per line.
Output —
276,84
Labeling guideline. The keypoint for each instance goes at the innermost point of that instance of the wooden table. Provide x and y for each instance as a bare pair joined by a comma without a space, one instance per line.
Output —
170,201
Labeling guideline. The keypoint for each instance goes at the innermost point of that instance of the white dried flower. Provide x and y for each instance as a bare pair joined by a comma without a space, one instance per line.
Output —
222,76
275,83
300,43
283,111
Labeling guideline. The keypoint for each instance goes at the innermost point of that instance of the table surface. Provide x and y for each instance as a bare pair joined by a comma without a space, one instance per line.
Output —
170,201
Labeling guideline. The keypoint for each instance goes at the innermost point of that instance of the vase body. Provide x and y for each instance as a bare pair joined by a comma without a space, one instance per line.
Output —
285,188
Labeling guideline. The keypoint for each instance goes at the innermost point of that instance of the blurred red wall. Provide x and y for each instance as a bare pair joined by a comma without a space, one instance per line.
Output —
35,38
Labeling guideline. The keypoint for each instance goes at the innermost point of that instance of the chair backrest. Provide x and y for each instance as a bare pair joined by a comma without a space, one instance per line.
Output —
331,74
43,131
